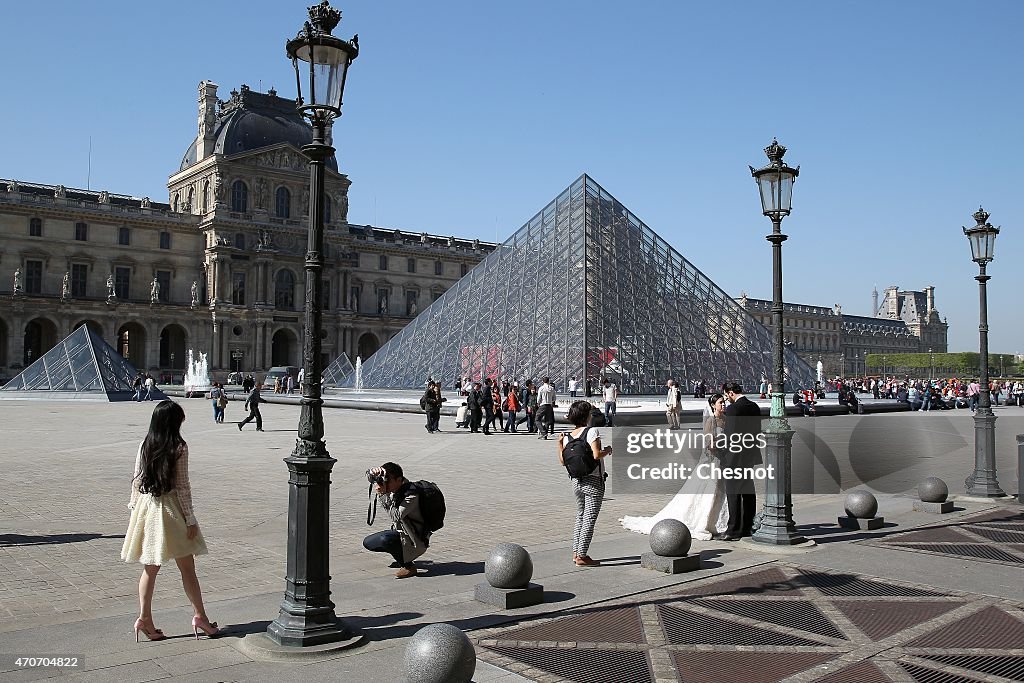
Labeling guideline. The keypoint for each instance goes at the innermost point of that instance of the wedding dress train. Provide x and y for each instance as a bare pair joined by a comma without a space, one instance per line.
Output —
700,505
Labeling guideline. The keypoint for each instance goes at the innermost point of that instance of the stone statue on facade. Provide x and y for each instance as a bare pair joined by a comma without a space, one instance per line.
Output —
451,242
218,189
104,197
837,309
154,291
111,294
382,305
743,299
195,294
146,203
476,245
65,288
17,281
343,208
61,191
261,193
13,186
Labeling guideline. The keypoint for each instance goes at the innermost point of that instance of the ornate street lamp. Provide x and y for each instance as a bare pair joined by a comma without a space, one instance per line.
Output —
775,182
982,482
307,613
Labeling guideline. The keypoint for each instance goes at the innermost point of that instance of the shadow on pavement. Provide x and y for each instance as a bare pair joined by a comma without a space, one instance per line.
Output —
19,539
451,568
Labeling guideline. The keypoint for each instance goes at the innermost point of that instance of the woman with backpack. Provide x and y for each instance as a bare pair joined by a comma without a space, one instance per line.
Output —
580,452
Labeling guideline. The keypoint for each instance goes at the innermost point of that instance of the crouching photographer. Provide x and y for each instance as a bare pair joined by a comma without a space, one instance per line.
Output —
416,510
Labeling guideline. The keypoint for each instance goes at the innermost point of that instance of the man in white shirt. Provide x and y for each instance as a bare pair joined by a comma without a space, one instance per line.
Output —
611,396
673,404
545,409
574,387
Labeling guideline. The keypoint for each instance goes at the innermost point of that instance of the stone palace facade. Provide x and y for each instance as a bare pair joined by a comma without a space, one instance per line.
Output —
904,322
219,267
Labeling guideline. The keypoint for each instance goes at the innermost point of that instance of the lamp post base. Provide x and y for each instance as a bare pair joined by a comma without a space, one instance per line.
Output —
777,526
982,483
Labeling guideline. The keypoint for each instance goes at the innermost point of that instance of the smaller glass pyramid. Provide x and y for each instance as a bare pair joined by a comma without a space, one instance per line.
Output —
82,366
338,371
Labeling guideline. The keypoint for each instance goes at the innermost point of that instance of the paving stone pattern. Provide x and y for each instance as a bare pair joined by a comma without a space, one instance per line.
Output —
988,537
786,622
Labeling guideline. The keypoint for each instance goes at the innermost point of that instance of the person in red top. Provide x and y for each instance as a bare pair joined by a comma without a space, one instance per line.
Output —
512,405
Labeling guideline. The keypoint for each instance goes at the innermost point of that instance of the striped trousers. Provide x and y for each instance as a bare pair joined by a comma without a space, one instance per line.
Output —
589,493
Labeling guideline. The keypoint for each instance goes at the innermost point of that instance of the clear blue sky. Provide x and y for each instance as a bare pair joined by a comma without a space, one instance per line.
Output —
466,117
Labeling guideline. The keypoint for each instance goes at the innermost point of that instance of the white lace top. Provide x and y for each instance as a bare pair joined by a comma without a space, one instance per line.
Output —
181,484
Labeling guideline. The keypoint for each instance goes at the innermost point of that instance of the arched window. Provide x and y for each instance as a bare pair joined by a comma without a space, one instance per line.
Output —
284,290
206,196
191,199
239,197
239,240
283,203
327,209
174,204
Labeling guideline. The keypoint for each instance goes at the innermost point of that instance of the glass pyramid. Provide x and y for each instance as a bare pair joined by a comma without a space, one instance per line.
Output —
338,371
585,289
82,366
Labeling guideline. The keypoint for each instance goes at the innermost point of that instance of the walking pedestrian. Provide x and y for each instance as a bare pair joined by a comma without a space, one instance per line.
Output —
163,525
545,409
611,397
673,404
252,404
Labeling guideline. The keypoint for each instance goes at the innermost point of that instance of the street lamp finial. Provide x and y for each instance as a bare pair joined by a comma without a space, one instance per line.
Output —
981,215
323,17
775,152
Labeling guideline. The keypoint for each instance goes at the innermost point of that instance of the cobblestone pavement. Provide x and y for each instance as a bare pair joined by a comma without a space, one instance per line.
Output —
760,625
65,470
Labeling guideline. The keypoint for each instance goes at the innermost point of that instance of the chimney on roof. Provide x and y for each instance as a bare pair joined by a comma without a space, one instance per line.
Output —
930,293
874,302
207,119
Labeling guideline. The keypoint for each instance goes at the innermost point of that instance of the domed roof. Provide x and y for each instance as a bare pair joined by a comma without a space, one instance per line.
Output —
252,120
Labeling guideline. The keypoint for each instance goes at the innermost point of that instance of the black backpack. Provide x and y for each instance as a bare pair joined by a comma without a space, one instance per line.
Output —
578,456
431,503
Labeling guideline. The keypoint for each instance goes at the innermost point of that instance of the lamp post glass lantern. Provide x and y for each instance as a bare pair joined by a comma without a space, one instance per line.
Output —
775,185
307,614
982,482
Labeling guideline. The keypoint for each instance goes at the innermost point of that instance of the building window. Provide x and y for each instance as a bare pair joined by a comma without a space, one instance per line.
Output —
238,288
165,240
79,278
124,236
353,297
412,302
438,268
35,227
284,290
283,203
206,196
383,301
33,277
163,278
239,240
327,209
462,270
411,266
436,295
239,197
382,262
81,232
325,294
122,281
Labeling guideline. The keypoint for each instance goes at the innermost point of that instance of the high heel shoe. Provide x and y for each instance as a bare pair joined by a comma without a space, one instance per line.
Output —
151,632
206,626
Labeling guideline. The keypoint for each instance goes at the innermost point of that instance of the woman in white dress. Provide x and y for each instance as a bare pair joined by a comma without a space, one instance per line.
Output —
700,504
163,526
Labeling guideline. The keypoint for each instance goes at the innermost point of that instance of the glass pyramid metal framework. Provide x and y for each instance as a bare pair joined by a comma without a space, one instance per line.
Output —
82,366
338,371
585,289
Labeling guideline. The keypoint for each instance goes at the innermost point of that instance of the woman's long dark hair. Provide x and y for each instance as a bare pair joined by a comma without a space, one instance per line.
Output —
161,449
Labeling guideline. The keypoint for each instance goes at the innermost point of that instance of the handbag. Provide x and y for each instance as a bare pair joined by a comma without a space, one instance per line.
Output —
222,402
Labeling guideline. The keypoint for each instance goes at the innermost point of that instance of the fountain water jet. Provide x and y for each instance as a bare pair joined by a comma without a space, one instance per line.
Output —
197,375
359,374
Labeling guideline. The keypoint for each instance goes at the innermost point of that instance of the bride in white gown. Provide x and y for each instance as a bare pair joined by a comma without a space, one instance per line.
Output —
700,504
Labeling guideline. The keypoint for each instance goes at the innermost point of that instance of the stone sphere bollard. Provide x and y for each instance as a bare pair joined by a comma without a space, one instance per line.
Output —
932,490
509,566
670,538
861,504
440,653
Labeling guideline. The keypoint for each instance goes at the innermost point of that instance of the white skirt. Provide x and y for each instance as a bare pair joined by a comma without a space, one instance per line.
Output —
157,531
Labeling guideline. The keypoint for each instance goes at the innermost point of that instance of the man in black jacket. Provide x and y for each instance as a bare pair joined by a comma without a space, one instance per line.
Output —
252,404
487,404
742,425
473,399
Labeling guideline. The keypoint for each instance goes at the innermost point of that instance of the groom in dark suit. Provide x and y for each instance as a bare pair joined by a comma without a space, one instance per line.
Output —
742,419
